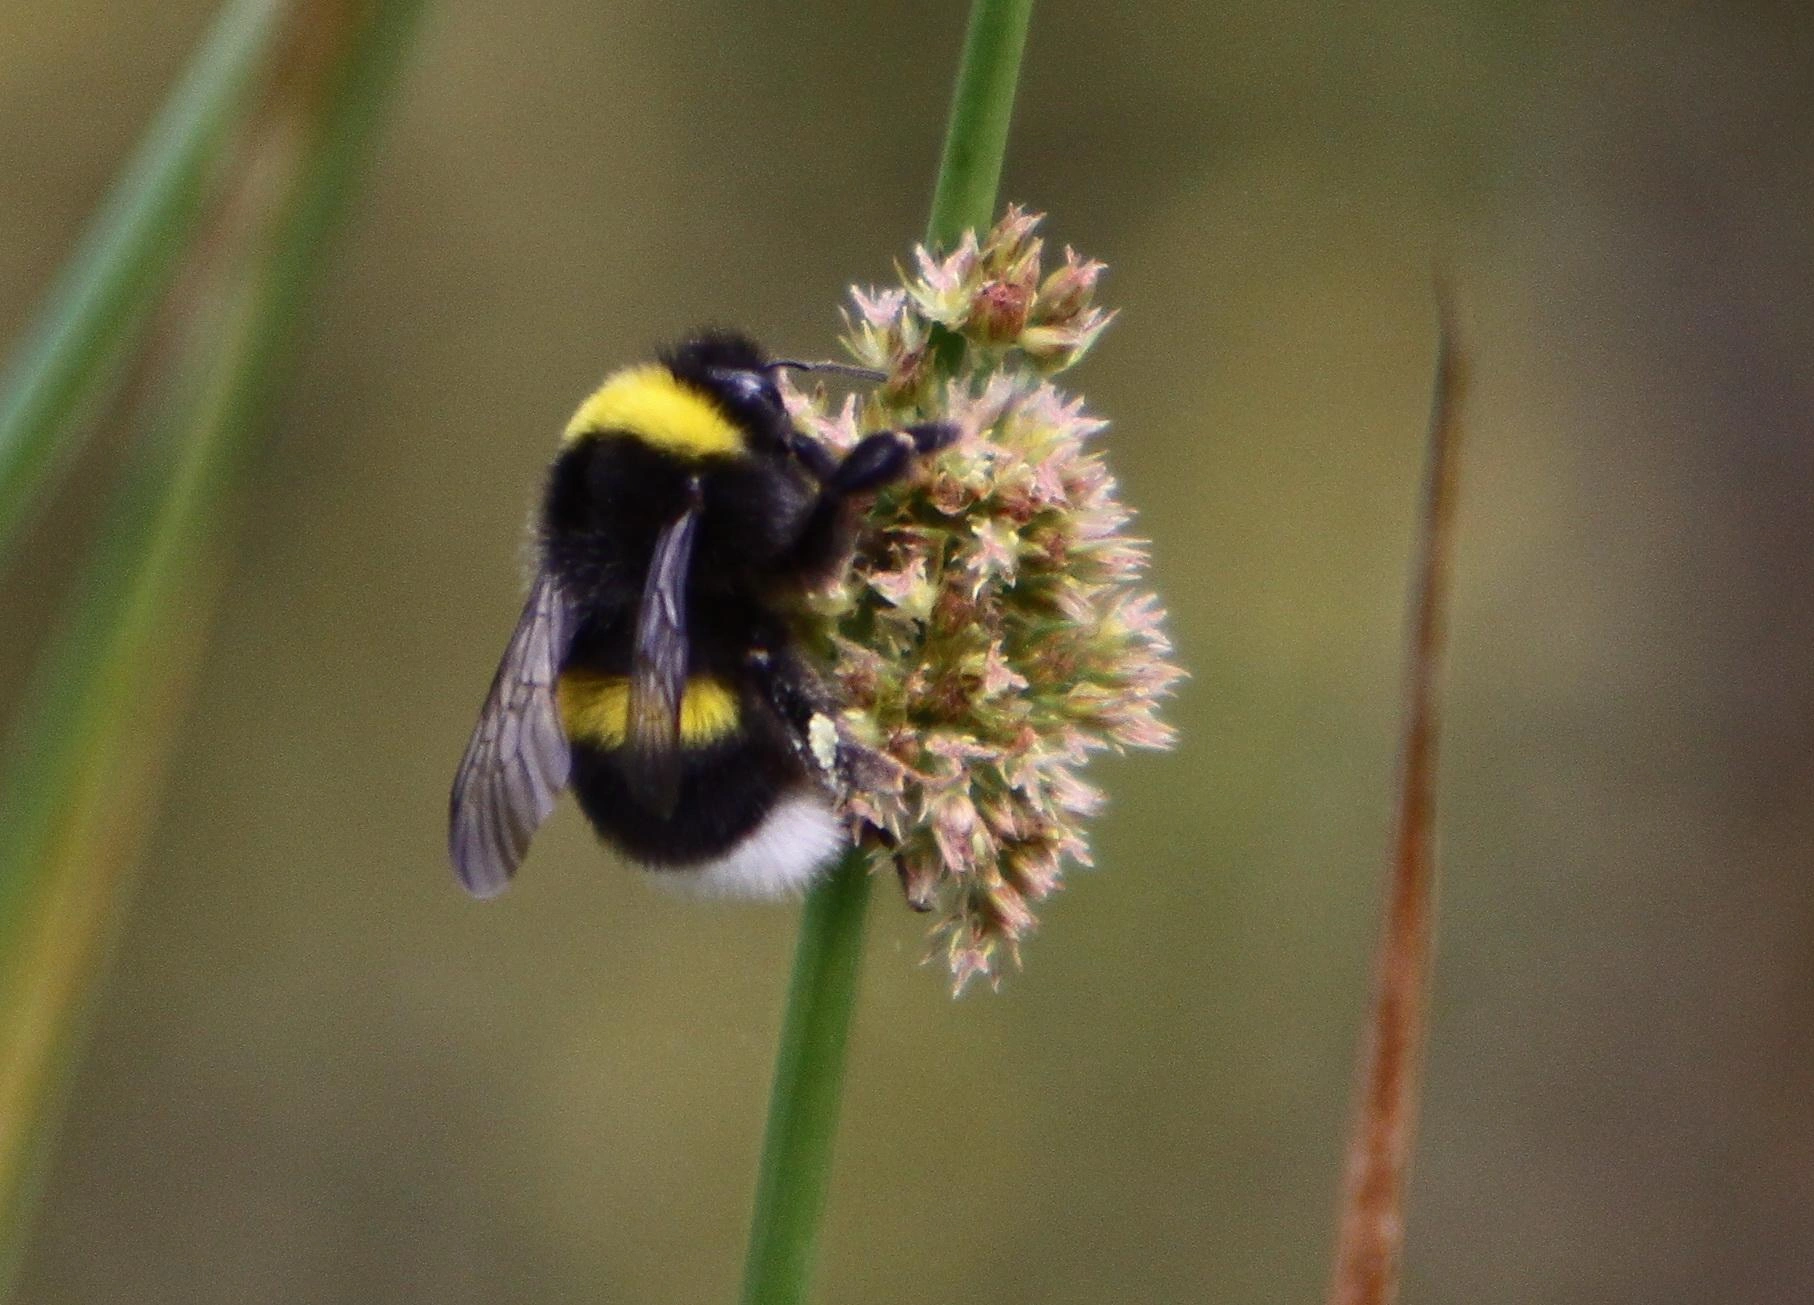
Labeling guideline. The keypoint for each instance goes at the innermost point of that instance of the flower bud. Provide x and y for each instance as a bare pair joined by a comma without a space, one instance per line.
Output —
1067,291
999,312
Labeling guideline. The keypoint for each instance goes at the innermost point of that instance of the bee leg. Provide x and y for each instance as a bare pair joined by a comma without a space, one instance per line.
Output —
797,696
807,705
823,545
812,455
804,704
885,456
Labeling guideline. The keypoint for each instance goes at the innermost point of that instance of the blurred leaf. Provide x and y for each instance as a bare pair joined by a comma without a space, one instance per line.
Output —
124,256
106,695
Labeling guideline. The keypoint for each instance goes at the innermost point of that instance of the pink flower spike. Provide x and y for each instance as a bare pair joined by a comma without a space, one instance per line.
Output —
994,629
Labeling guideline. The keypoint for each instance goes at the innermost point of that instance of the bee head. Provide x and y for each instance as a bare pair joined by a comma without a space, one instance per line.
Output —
698,356
734,370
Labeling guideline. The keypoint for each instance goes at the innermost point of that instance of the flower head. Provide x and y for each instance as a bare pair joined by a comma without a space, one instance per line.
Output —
992,632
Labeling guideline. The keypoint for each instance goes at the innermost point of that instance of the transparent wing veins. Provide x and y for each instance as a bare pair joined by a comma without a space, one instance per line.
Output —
517,762
658,670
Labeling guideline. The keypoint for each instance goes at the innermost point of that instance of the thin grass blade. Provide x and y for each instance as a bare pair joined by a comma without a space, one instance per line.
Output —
106,696
1370,1240
124,258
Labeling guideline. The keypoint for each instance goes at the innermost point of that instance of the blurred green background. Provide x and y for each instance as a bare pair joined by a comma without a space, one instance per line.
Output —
320,1074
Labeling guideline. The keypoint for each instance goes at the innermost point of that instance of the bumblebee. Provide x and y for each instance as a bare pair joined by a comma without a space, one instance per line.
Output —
655,669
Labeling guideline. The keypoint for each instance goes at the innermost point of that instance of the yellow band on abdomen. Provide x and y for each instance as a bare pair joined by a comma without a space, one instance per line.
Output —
595,709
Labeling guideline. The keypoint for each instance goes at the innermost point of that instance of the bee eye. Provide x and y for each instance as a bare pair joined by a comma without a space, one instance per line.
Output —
751,387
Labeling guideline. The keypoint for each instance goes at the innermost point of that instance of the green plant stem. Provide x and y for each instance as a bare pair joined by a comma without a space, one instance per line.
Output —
976,137
809,1079
104,699
809,1066
123,257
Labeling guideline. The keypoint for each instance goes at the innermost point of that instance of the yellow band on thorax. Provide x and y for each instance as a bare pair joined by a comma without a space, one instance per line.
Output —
595,709
650,404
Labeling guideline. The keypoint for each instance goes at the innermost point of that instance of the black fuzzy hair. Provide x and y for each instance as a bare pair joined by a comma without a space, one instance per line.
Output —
695,358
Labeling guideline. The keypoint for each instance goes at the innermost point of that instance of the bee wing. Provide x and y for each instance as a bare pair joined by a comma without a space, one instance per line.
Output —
517,762
658,670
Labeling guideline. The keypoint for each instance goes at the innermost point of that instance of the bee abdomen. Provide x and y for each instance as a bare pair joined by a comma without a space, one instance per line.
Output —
747,821
782,855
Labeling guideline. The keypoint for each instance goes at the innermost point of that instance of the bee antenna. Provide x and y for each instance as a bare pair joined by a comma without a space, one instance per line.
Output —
833,368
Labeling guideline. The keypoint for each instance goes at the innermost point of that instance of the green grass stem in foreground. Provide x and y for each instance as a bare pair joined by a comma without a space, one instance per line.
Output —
809,1081
809,1066
124,256
83,760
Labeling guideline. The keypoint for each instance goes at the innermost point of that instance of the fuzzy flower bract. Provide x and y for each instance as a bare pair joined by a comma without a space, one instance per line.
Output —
993,630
